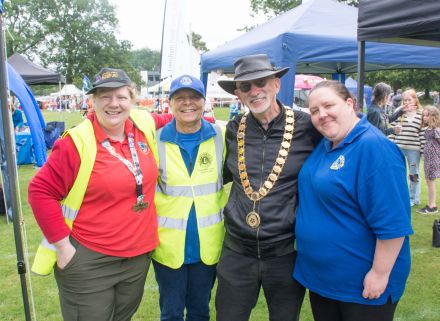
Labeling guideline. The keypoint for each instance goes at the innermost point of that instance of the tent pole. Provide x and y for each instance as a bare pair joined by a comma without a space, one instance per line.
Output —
361,76
9,144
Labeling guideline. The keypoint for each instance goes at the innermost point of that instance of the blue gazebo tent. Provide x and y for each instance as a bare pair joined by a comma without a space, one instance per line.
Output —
352,85
32,112
319,36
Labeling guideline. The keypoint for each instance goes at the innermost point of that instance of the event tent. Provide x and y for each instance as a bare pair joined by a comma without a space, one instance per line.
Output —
163,86
415,22
352,86
214,91
306,81
68,90
32,73
33,114
318,36
411,22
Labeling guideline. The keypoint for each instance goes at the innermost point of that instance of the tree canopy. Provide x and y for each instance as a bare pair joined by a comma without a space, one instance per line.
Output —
74,37
197,42
276,7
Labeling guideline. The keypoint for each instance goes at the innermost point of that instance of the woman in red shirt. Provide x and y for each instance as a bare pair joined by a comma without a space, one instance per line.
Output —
103,259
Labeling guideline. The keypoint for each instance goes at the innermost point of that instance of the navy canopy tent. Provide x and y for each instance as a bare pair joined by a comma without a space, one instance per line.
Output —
415,22
319,36
399,21
32,73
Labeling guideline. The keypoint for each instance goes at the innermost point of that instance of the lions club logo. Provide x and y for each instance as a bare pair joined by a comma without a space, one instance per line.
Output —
338,164
205,160
186,81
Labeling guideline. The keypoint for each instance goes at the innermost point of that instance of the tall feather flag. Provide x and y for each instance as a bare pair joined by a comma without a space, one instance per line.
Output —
86,86
1,5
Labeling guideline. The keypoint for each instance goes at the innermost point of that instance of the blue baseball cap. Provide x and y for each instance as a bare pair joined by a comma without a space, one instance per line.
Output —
187,82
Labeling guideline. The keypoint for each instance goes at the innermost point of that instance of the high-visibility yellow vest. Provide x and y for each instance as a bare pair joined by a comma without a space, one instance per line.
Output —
176,192
83,137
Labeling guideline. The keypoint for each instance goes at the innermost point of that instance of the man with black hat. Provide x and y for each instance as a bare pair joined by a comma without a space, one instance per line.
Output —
266,148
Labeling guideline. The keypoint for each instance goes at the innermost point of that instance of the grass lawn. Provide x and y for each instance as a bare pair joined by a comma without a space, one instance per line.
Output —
420,302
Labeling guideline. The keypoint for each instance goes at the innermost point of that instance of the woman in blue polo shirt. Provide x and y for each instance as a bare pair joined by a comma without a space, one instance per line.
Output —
353,220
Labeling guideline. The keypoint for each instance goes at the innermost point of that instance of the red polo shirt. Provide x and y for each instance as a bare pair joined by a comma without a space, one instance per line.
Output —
106,222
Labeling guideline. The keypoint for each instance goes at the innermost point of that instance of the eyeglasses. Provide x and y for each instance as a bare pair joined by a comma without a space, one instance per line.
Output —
245,86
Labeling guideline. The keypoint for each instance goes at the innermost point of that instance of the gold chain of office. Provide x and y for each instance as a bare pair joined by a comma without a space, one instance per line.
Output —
279,162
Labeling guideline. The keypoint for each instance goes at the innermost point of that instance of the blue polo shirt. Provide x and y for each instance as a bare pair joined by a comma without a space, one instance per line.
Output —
350,196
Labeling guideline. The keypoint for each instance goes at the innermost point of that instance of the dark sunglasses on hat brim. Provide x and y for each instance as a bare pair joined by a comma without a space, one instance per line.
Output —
245,86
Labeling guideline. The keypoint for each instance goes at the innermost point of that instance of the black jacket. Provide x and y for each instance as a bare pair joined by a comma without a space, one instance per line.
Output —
377,117
275,236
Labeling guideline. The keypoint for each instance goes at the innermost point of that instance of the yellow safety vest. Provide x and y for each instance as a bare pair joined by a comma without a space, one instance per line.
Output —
83,137
176,192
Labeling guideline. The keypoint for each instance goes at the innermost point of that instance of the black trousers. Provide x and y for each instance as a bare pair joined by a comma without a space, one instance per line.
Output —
325,309
240,278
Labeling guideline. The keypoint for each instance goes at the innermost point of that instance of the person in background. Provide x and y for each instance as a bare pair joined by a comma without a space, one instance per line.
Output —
209,110
189,201
234,109
73,103
431,152
396,102
266,148
166,105
409,135
376,111
436,99
94,202
353,220
157,106
17,118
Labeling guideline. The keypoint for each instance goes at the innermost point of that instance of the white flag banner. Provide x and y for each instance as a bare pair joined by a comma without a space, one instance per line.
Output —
178,56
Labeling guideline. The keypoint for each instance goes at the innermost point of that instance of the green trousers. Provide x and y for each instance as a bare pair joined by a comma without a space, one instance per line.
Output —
98,287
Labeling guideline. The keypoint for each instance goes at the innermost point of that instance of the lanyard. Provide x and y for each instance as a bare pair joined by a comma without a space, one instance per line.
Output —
134,169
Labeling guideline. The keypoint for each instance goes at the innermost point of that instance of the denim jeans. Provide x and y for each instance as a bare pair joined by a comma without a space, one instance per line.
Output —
413,160
186,287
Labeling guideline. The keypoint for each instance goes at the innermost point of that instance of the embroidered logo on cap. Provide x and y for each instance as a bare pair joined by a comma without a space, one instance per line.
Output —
109,74
339,163
186,81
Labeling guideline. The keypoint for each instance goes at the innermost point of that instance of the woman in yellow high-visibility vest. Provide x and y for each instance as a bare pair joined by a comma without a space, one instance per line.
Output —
93,201
189,200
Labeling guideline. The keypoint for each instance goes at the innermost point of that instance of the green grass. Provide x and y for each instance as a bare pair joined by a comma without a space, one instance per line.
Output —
419,303
221,113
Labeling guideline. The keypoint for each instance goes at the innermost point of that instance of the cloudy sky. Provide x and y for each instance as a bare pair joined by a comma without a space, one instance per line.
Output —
217,21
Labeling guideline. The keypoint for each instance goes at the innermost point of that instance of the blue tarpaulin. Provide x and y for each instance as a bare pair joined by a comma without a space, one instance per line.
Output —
32,112
319,36
352,85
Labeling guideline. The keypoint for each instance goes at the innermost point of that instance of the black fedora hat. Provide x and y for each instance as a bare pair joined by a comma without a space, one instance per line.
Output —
251,68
